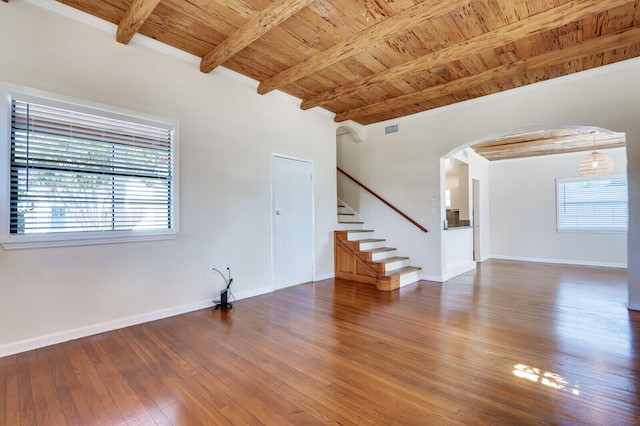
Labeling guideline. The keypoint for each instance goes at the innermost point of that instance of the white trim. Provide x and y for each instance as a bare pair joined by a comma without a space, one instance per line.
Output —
18,242
561,262
77,333
252,293
432,278
324,277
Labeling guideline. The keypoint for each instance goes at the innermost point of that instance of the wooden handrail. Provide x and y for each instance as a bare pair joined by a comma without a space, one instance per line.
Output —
394,208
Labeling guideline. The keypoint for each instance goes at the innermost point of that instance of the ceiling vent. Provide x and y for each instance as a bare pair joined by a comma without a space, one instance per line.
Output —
391,129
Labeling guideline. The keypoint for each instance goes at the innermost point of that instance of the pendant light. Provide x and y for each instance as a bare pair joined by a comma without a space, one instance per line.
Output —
595,163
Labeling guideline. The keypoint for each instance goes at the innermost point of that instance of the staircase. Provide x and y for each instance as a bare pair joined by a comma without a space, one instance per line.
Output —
358,256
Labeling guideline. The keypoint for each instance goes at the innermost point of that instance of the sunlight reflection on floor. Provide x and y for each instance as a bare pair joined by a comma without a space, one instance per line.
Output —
552,380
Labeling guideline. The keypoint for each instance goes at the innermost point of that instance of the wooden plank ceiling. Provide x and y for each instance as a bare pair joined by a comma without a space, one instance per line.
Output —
375,60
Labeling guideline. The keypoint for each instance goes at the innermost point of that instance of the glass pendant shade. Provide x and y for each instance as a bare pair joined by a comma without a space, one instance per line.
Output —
595,164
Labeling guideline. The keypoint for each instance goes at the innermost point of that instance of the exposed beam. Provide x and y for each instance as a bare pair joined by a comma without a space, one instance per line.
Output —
547,142
275,14
397,24
544,21
573,52
133,19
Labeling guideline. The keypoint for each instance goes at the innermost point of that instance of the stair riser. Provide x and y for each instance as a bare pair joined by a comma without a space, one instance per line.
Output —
346,226
396,265
346,218
383,255
357,236
409,278
371,246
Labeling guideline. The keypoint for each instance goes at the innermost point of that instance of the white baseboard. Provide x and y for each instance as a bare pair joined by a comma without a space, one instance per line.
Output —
459,269
77,333
561,261
435,278
252,293
324,277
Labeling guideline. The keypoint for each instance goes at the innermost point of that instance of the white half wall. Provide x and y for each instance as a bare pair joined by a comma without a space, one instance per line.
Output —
523,213
227,136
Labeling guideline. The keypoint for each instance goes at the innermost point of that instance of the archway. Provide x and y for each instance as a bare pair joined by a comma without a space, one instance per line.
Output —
523,193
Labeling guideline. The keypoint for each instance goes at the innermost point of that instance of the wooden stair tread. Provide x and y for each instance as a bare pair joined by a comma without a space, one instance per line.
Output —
391,259
353,231
358,223
378,250
404,270
370,240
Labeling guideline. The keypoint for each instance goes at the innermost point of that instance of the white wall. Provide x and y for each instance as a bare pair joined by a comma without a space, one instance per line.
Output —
406,166
227,136
523,213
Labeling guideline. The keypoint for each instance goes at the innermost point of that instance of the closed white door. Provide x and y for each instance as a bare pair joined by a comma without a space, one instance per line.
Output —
292,222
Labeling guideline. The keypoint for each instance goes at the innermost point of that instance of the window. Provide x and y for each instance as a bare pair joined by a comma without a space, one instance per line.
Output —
593,204
85,175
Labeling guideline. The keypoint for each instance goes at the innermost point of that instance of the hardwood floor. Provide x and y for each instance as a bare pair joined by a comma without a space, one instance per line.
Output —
511,343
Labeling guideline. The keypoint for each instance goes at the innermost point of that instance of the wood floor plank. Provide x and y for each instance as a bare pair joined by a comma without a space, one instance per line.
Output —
117,380
47,404
25,393
510,343
76,407
10,408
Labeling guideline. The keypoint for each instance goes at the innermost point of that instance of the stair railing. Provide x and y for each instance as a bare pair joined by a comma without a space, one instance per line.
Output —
394,208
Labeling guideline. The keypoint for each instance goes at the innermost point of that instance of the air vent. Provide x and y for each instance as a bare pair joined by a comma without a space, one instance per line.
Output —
391,129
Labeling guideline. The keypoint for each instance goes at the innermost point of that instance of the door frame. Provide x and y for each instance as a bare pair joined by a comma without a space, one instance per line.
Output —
272,213
475,206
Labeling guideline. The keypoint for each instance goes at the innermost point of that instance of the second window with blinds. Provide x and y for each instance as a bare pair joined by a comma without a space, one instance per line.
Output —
592,204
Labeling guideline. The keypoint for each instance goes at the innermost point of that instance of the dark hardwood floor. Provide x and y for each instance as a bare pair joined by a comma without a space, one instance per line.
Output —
511,343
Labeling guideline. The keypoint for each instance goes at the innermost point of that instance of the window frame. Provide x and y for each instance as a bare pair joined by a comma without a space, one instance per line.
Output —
590,229
11,241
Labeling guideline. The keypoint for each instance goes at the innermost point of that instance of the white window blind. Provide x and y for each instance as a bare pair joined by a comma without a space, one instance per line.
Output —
79,172
596,204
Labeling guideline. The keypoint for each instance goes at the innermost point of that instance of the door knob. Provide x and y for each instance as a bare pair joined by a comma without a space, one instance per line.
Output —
278,212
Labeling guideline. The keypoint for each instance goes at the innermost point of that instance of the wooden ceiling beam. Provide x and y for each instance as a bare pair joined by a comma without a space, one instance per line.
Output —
551,142
133,19
399,23
544,21
576,51
275,14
